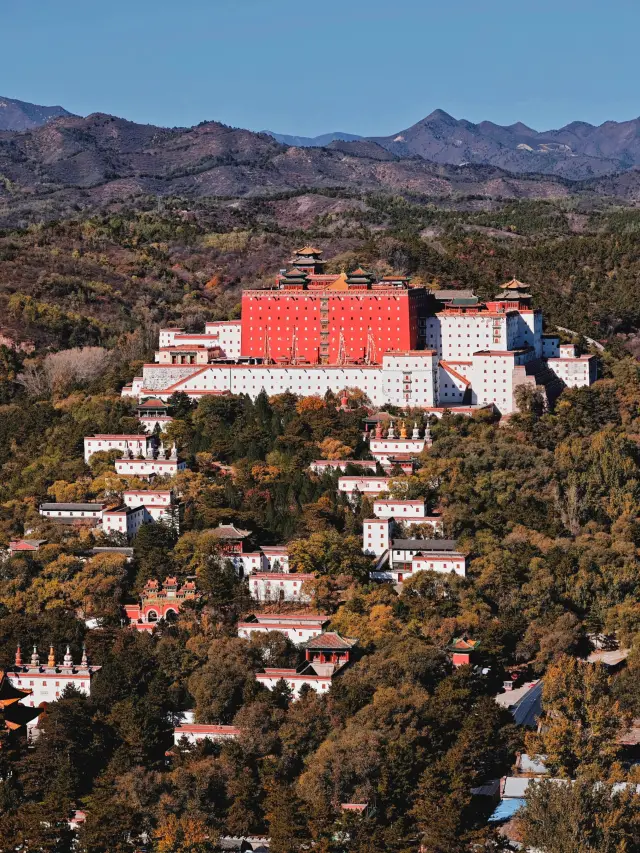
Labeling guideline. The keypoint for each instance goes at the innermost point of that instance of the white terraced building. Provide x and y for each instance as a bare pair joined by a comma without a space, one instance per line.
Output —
475,355
299,627
371,486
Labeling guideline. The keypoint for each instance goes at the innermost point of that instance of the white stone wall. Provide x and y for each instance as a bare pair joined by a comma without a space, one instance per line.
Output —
123,521
464,334
574,372
276,561
363,485
150,422
492,380
391,446
151,500
451,389
167,336
146,468
194,733
439,563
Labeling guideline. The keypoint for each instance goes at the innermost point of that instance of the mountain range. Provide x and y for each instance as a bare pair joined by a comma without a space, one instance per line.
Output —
68,163
577,151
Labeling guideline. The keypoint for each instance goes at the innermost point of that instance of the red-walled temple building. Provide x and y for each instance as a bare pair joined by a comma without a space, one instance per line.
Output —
332,319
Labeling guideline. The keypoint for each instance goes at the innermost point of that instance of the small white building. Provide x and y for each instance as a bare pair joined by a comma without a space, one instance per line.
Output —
376,535
276,558
252,562
354,486
400,510
298,627
136,444
196,732
123,519
157,504
278,586
294,679
408,556
224,335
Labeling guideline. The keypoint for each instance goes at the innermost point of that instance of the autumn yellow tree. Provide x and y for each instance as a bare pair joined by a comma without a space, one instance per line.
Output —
581,719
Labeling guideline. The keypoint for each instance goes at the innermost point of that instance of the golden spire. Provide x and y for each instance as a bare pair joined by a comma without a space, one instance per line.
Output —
403,430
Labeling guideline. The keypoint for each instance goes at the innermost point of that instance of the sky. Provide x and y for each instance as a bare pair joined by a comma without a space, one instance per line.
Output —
361,66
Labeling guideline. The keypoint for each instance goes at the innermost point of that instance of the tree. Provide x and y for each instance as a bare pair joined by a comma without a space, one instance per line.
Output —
580,817
581,720
152,546
222,684
285,816
188,833
329,553
333,448
180,404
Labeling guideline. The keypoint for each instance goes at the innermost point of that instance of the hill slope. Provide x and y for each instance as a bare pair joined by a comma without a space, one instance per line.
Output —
20,115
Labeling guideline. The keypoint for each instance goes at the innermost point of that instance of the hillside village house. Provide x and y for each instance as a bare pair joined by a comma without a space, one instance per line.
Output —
193,733
379,532
355,486
319,466
137,445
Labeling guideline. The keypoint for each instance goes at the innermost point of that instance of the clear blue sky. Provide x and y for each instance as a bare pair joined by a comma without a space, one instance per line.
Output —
364,66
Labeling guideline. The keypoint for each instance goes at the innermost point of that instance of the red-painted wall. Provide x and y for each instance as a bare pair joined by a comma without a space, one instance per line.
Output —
392,316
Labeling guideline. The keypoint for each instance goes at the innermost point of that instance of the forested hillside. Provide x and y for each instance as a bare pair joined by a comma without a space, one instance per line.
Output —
86,281
545,506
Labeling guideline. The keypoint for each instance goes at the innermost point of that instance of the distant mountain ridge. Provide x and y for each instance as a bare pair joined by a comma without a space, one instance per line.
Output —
577,151
314,141
21,115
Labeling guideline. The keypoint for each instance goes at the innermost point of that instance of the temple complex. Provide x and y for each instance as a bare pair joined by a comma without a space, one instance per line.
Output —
401,344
